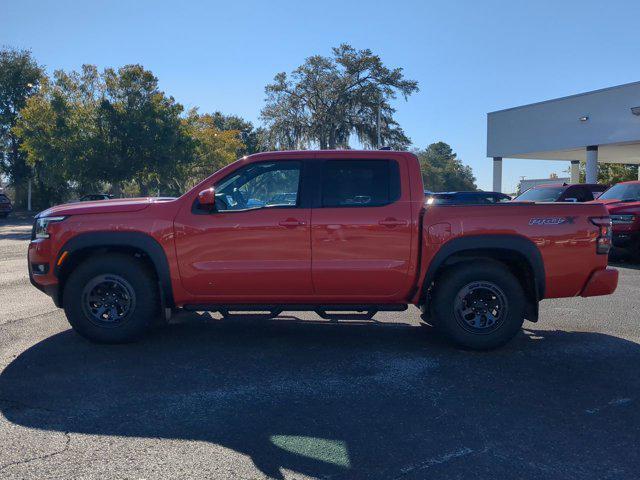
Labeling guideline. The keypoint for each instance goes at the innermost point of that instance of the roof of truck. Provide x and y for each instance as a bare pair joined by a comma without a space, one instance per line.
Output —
338,154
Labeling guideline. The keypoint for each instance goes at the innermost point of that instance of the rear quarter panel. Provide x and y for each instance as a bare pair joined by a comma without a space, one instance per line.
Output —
568,249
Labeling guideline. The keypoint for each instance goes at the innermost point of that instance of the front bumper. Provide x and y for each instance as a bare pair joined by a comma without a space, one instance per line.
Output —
601,282
51,290
39,253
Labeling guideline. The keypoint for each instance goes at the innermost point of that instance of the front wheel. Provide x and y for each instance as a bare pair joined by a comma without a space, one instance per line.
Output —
479,305
111,299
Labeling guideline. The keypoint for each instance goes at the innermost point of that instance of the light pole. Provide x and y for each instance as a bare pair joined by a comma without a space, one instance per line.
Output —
379,141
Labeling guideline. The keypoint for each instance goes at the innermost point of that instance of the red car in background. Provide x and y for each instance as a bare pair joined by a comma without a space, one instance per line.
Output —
623,202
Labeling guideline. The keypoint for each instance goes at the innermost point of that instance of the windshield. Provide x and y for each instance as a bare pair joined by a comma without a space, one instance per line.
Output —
625,192
543,194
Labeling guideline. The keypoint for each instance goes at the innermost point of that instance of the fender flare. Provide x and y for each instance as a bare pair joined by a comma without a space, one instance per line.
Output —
137,240
506,243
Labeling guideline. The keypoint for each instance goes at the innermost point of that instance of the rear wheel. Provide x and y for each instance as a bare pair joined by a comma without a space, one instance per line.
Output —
111,299
479,305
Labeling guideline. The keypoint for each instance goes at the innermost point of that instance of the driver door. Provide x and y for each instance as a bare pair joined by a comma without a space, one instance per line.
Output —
255,242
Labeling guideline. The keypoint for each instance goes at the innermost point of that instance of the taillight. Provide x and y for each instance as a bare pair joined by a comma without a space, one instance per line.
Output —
603,242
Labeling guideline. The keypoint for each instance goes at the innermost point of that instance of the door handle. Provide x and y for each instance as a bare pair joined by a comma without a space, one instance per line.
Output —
392,222
291,222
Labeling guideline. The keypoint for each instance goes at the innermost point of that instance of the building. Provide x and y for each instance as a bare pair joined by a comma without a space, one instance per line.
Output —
602,126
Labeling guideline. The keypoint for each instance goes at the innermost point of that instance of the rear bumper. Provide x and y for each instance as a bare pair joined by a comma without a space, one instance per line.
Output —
626,239
601,282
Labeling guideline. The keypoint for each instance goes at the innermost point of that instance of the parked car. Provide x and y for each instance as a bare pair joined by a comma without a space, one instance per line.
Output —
358,237
623,202
562,192
5,206
466,198
93,197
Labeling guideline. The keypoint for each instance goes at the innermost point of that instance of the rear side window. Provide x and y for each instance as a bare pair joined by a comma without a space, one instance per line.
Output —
581,194
360,183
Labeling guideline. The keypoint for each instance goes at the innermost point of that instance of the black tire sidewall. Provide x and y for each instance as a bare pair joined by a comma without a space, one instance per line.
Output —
136,274
455,279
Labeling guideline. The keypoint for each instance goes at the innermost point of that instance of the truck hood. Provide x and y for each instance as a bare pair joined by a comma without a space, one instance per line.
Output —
115,205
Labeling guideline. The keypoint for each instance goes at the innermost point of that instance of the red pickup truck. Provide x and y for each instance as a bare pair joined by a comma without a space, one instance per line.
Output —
623,203
326,231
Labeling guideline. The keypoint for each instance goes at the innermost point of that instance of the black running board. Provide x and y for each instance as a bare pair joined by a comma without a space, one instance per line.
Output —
328,312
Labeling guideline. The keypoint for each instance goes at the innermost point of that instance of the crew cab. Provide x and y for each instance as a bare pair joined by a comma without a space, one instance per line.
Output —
562,192
623,203
325,231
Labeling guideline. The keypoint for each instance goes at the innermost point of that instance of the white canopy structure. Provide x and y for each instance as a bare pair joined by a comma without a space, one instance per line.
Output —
598,126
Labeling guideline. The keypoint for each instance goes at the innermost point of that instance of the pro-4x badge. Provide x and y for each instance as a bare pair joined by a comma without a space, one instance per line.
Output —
552,220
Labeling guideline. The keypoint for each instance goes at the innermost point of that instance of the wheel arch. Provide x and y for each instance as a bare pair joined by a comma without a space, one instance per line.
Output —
138,244
517,253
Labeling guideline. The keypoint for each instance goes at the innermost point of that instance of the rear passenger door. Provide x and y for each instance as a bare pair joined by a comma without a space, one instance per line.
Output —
361,234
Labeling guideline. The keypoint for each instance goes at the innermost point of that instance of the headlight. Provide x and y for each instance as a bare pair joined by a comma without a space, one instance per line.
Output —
618,219
40,228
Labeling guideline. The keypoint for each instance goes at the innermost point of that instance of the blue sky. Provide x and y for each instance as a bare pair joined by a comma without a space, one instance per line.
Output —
470,57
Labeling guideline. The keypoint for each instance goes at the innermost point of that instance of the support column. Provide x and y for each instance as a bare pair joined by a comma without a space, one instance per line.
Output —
497,174
592,164
575,171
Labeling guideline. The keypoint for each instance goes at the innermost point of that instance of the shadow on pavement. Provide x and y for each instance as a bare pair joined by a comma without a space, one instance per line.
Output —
349,400
15,228
625,263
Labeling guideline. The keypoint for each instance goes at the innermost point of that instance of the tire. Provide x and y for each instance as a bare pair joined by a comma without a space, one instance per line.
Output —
112,298
479,305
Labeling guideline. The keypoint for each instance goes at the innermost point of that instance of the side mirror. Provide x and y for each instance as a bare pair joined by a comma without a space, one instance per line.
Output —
571,199
207,198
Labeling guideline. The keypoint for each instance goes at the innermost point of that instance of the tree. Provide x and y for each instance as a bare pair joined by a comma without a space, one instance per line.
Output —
91,130
253,139
213,147
326,100
20,77
443,171
145,129
611,173
64,137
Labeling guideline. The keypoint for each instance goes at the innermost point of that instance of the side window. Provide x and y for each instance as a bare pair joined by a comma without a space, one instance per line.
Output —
260,185
582,194
360,183
585,195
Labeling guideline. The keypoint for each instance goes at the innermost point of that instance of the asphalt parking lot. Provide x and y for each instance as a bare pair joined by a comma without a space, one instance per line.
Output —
302,398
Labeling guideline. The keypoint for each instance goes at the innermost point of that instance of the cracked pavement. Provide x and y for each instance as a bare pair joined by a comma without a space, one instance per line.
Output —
299,397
